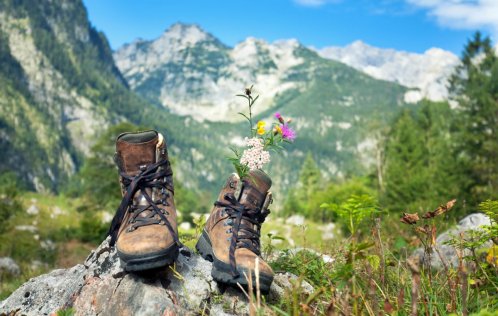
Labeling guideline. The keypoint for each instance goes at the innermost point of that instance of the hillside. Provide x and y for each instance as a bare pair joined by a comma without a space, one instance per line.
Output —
60,80
60,90
190,72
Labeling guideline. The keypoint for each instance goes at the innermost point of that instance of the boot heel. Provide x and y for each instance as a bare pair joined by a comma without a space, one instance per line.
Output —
204,247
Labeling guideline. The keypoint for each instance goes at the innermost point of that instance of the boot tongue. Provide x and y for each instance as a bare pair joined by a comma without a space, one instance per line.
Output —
255,188
136,150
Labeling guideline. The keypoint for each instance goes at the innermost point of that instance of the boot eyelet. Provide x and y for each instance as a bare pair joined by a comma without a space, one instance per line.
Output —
229,231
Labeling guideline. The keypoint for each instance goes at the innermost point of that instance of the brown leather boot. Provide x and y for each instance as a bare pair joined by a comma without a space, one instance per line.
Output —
144,227
231,237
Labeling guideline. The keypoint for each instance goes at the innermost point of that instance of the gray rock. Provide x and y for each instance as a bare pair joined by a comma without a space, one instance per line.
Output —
27,228
9,266
45,294
283,281
474,221
449,253
296,250
295,220
33,210
101,287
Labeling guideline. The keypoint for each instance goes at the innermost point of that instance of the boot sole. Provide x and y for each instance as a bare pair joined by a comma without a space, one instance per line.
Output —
163,258
221,271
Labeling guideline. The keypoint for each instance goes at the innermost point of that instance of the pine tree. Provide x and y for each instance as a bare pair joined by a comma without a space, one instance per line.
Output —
299,197
474,86
422,170
445,179
292,205
405,173
309,180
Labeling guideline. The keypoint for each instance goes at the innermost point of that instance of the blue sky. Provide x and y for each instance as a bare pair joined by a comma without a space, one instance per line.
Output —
411,25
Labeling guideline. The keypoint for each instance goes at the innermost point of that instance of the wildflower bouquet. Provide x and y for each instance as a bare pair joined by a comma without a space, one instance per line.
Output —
262,140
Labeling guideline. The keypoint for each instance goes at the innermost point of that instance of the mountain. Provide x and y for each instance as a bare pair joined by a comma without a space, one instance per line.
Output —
60,89
49,88
428,73
334,106
192,73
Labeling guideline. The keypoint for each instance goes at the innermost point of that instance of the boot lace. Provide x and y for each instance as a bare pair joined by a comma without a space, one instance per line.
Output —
148,177
243,234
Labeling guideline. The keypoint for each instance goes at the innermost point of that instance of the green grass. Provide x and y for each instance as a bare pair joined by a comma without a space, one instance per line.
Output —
53,244
308,235
375,283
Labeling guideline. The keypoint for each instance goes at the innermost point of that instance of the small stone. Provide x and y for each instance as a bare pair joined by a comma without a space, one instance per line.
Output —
282,282
33,210
27,228
106,217
295,220
9,266
185,226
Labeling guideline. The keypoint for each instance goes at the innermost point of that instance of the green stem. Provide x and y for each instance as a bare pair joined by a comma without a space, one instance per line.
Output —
250,116
353,277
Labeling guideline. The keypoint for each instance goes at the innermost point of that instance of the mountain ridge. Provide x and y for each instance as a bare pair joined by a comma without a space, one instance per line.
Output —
139,61
427,72
331,104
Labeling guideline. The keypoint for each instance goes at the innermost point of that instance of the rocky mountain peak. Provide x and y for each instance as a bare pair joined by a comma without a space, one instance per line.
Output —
188,34
428,72
212,73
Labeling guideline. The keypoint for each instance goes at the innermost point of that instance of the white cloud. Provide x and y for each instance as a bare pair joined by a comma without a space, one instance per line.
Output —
315,3
463,14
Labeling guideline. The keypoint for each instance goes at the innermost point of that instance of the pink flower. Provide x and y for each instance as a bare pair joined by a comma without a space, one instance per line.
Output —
287,132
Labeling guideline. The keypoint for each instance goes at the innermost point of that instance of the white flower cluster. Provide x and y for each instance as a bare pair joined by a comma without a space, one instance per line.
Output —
254,157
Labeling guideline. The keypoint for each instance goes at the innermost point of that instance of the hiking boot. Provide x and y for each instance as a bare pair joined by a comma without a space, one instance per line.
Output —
144,227
231,237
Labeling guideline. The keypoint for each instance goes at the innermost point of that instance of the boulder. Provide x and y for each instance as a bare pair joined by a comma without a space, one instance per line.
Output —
100,287
449,253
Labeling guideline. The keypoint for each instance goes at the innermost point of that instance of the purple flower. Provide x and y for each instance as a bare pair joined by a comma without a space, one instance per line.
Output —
287,132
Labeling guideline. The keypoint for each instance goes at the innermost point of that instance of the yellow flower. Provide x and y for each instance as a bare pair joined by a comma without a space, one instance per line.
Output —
278,129
261,124
492,256
261,130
